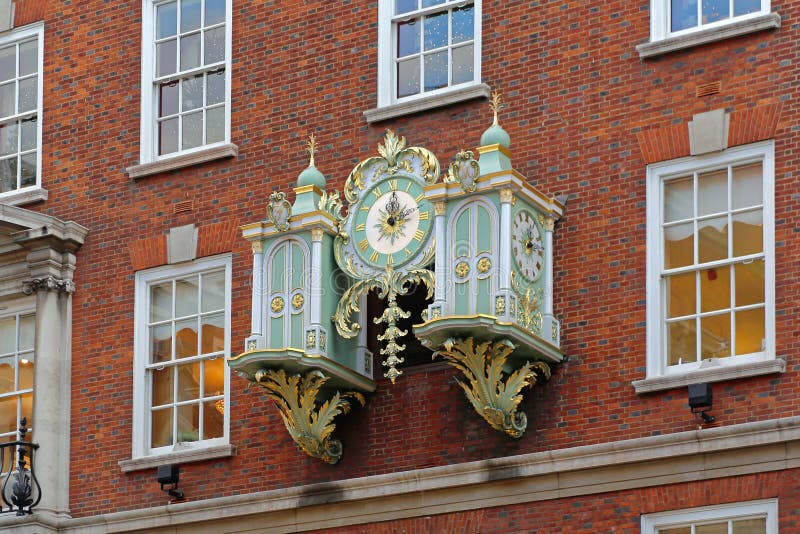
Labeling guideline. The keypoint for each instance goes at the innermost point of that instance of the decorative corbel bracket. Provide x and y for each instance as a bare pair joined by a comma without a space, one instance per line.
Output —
494,393
307,411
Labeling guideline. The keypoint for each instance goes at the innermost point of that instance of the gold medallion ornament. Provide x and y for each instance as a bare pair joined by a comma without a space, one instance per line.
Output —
297,301
277,305
484,264
462,269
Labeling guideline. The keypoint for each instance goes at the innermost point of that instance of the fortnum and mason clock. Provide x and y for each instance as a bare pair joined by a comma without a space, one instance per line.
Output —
392,222
526,244
386,241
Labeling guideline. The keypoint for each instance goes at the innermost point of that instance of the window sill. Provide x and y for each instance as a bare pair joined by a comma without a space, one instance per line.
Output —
23,196
383,113
714,374
179,457
182,160
769,21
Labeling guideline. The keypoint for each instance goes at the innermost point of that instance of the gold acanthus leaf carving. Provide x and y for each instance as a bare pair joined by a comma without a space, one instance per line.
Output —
308,419
494,394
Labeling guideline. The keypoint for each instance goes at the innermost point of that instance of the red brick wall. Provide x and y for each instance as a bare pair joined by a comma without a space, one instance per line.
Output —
577,96
618,513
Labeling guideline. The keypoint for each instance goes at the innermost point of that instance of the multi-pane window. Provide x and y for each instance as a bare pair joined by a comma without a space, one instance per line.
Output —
755,517
189,47
427,48
686,14
182,342
713,259
19,109
16,372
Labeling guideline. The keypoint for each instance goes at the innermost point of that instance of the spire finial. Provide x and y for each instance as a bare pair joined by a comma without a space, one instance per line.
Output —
496,106
311,147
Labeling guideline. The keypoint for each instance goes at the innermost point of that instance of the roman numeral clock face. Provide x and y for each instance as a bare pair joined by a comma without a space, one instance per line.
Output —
392,222
526,244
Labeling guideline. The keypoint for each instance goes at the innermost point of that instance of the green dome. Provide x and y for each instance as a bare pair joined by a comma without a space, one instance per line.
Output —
311,176
496,135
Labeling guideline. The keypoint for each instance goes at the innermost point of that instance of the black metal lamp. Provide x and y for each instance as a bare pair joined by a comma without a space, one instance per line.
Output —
701,400
168,475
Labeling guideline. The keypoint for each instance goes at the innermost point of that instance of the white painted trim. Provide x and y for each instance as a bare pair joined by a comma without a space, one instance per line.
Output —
437,99
177,457
770,21
35,192
386,72
148,152
767,508
660,20
183,159
763,151
696,455
141,394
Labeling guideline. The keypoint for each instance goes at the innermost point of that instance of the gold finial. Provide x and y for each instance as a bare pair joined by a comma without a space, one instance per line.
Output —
311,147
495,106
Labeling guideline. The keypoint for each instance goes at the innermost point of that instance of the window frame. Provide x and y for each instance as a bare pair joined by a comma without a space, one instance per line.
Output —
656,173
149,88
14,36
18,308
660,16
734,511
387,36
142,385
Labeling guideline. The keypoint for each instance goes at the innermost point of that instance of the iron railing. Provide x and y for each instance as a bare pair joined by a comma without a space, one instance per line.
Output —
20,490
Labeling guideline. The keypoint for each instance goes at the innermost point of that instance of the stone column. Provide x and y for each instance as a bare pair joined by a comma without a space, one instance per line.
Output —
52,383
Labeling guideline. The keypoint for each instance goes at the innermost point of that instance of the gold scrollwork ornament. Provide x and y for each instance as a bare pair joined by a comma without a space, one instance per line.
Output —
279,211
493,393
465,171
308,418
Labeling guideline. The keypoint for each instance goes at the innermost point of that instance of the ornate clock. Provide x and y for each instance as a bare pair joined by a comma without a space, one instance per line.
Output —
392,223
526,244
385,241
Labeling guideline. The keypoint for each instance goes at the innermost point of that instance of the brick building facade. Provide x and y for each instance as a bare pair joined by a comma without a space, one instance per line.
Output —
605,104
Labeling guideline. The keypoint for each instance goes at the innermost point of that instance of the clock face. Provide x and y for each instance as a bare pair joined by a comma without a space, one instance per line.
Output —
526,244
392,222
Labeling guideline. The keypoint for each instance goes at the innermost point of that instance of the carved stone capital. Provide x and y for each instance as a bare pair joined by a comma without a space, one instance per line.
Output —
258,247
316,234
48,283
506,196
440,208
549,224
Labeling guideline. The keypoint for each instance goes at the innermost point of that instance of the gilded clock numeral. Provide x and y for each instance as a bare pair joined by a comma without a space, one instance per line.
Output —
363,244
407,251
408,187
361,227
393,185
377,192
418,235
390,260
420,197
365,208
423,215
374,256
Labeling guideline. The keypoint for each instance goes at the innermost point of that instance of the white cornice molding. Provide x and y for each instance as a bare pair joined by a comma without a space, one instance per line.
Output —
654,460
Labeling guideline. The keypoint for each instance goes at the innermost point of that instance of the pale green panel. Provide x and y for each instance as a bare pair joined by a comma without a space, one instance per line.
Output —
276,333
297,331
463,295
298,267
484,295
278,269
461,240
485,230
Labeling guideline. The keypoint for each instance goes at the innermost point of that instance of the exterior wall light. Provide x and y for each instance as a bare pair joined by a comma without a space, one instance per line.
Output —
701,400
168,476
